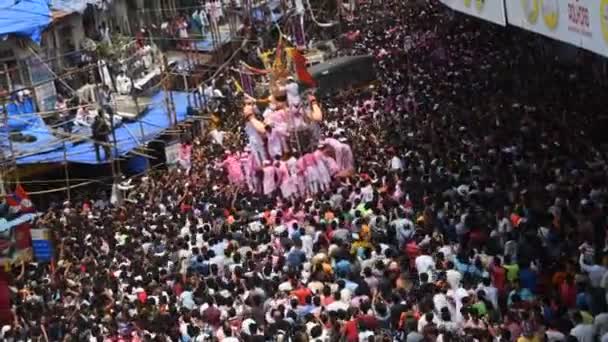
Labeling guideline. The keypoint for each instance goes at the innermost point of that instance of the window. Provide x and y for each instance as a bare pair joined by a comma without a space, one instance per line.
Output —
10,75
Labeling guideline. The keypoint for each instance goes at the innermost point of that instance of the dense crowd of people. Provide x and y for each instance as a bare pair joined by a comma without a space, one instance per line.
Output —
476,213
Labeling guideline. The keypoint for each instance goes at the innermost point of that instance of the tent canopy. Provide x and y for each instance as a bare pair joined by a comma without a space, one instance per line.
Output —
129,135
25,18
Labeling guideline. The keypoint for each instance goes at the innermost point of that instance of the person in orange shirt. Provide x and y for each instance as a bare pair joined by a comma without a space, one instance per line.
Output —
301,293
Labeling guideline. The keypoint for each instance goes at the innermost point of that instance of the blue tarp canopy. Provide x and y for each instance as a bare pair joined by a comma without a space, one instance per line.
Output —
25,18
48,148
21,114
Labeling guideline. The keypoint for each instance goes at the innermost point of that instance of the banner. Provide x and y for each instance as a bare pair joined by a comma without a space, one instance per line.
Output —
41,244
172,153
490,10
44,88
583,23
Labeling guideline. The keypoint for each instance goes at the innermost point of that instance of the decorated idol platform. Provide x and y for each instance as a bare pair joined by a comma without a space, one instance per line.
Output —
286,154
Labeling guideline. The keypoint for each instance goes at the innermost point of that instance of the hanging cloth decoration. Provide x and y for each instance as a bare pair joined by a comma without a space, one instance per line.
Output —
239,88
247,82
299,7
298,31
350,16
265,58
255,70
279,66
314,19
278,55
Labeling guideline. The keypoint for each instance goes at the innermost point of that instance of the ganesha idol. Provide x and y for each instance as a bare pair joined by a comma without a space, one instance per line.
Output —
285,155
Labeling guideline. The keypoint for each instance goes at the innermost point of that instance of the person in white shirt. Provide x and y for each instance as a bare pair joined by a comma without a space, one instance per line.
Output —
457,296
596,272
123,84
404,229
554,335
338,304
83,117
424,263
396,164
292,90
367,193
490,291
453,277
440,302
582,332
307,244
426,319
601,323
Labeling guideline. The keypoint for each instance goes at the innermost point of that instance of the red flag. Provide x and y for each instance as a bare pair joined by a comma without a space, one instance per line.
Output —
21,193
300,63
14,199
20,199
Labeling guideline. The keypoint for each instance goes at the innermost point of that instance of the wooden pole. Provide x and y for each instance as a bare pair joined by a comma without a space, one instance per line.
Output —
165,88
3,172
10,143
186,88
112,113
66,171
100,112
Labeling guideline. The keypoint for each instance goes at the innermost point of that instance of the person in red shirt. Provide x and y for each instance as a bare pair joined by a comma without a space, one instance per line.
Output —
412,250
301,293
351,328
499,275
370,322
567,292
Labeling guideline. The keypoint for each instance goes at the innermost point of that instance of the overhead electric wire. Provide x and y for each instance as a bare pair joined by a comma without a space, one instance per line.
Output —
133,137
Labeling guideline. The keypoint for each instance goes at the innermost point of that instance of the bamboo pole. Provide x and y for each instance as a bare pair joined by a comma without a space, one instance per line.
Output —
66,171
186,89
166,89
112,127
10,143
100,112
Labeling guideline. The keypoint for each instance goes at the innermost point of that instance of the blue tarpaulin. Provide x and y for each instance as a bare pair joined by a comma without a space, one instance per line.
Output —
25,18
21,114
128,135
